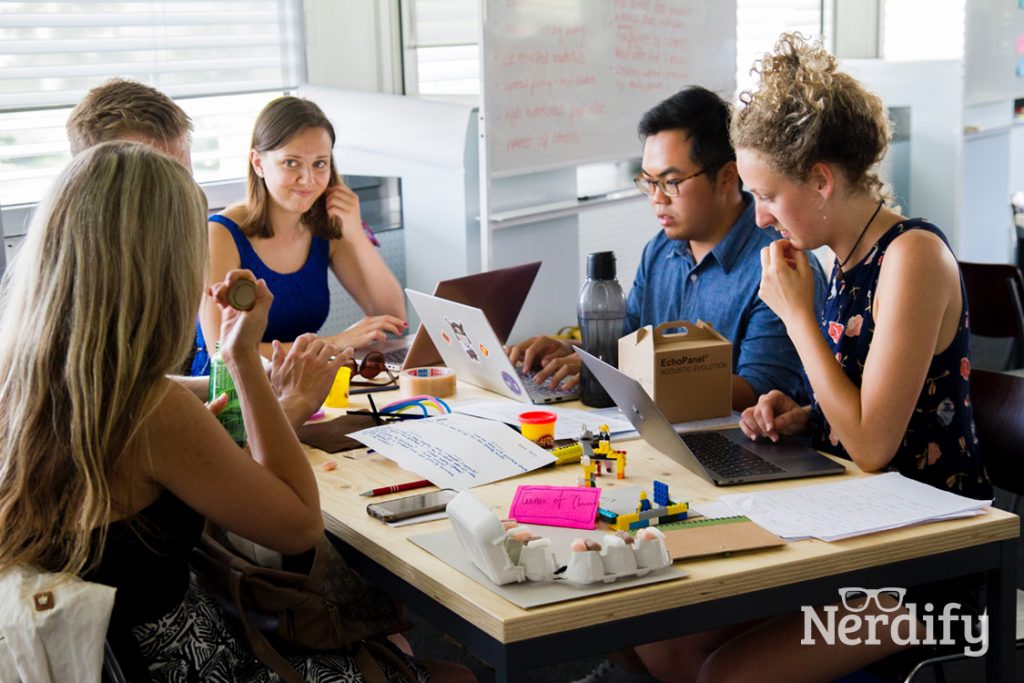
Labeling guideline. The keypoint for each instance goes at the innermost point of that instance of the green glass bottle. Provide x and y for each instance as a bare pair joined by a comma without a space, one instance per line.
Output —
222,383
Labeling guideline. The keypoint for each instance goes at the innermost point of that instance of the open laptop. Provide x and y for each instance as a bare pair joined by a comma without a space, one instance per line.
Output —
469,346
499,293
723,457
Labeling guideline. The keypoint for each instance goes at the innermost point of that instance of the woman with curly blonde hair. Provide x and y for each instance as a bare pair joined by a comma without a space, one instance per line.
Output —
887,357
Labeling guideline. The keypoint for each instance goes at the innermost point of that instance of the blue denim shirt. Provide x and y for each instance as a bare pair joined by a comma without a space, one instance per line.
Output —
722,290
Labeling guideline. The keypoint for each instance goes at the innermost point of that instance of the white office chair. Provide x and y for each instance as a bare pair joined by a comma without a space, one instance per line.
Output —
53,627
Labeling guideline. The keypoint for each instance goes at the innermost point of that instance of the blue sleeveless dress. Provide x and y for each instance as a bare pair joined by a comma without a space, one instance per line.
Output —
301,299
939,447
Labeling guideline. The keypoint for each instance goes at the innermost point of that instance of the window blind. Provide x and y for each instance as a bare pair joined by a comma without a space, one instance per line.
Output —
221,61
441,44
51,53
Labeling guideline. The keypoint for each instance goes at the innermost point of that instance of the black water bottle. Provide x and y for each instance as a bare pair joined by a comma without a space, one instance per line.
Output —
601,312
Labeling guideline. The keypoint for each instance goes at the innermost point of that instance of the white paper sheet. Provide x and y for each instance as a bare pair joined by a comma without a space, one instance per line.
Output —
456,451
568,426
852,507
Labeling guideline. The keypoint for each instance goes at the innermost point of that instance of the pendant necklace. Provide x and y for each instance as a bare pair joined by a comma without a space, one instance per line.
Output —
839,271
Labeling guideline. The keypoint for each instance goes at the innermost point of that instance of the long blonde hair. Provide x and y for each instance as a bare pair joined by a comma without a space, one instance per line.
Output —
97,307
805,110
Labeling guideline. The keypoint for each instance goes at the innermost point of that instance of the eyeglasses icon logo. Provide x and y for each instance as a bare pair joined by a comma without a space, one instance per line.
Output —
857,599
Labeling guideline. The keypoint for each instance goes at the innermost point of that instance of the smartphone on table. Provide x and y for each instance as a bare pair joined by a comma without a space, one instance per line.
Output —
411,506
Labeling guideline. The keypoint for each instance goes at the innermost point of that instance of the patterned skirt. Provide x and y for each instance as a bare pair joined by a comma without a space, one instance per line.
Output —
195,642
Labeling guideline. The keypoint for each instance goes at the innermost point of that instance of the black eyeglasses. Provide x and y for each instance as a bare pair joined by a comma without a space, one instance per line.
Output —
669,188
371,366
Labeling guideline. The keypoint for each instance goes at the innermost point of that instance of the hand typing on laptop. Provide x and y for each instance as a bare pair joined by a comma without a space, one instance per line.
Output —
554,357
775,414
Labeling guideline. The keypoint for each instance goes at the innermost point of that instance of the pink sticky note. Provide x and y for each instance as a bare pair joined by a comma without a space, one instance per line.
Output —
567,506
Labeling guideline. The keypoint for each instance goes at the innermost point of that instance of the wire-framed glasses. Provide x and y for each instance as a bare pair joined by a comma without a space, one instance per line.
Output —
670,187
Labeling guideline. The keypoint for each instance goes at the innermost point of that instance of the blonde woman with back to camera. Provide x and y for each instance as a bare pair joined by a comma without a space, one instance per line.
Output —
886,356
107,467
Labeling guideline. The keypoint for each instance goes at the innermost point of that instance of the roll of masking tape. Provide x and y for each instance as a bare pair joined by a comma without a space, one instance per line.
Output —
439,382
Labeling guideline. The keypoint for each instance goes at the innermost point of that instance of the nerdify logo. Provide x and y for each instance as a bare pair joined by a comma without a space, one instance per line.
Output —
901,620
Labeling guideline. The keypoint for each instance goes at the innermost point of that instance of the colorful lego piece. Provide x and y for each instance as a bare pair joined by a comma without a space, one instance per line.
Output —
663,511
605,458
589,477
567,453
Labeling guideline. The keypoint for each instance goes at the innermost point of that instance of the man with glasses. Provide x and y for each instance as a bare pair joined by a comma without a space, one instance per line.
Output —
705,264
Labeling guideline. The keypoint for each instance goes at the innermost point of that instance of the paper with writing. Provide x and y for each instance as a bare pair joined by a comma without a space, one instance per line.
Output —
456,451
851,507
566,506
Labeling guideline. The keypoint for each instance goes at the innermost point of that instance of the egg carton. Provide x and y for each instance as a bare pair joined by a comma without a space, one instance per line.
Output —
515,555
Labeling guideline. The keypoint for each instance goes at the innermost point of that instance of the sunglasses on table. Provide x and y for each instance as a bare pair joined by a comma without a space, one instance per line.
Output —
370,367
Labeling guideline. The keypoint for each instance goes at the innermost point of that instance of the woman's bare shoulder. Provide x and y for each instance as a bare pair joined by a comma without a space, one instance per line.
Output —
235,212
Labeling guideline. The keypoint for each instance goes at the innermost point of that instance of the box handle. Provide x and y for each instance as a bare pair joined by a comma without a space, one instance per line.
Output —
688,329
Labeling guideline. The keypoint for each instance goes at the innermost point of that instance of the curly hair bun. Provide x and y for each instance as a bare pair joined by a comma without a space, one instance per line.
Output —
805,110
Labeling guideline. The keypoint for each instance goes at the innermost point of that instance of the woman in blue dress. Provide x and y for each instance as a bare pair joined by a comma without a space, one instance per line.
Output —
299,221
887,357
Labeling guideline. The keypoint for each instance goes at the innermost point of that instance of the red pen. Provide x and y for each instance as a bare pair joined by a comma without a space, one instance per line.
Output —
394,488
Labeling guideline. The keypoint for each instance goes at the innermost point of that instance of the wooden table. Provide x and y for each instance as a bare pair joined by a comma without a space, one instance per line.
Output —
718,592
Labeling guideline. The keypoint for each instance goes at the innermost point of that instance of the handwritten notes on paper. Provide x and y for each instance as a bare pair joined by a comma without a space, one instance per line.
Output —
456,451
566,506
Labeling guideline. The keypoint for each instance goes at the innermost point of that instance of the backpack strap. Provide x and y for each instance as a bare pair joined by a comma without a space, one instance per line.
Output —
261,647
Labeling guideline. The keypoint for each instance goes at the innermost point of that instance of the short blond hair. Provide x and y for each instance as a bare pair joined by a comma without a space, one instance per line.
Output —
120,109
805,110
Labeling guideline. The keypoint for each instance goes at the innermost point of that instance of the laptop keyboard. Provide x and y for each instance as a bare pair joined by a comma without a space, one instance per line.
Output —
395,357
725,457
541,391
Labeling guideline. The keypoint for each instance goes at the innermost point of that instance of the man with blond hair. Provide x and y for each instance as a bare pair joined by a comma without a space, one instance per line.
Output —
128,110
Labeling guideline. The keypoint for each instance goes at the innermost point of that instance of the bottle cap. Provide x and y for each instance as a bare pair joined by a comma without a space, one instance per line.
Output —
601,265
242,295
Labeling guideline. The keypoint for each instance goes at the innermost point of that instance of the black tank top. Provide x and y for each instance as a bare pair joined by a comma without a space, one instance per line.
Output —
939,446
146,558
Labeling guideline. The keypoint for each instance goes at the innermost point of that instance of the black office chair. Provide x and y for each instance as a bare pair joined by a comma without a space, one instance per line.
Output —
998,400
995,299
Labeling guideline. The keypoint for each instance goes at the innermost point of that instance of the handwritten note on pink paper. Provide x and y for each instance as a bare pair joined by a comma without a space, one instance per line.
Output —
566,506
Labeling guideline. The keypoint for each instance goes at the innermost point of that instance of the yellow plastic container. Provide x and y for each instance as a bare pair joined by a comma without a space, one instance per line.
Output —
537,423
338,397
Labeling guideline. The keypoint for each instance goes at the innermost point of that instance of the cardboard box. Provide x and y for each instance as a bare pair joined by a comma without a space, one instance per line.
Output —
685,367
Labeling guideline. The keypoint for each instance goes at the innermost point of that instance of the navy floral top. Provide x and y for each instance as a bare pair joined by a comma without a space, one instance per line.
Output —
939,447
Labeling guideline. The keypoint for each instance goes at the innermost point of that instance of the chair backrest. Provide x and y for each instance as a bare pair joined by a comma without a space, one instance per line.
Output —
998,400
995,298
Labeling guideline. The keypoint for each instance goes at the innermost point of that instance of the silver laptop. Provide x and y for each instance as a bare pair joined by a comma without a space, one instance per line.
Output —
723,457
499,293
469,346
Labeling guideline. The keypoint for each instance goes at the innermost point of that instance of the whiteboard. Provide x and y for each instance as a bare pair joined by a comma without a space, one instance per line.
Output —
566,81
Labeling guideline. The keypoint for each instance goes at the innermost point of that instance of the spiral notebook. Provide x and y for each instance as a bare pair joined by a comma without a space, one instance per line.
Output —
721,536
